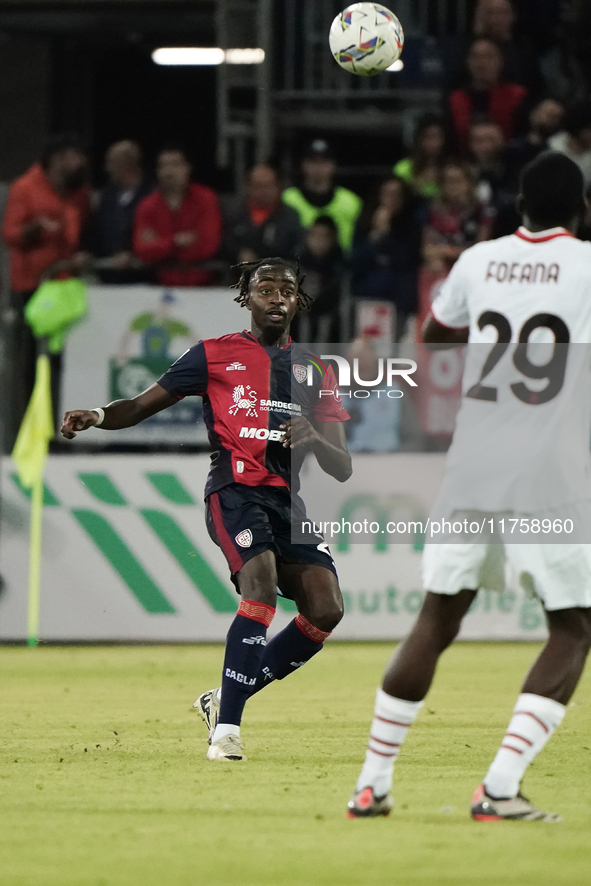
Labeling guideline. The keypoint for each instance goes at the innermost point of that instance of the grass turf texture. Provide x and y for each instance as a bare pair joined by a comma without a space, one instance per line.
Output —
103,780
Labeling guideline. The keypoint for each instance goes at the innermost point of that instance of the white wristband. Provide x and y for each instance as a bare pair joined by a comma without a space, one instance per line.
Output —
101,415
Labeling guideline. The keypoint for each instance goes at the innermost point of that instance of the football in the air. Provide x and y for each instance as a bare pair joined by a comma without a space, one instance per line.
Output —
366,38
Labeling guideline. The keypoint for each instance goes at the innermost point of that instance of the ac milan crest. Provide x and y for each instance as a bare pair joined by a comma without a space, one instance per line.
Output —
244,538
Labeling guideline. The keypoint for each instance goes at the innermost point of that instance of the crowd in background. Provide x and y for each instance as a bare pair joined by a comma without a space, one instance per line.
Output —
508,98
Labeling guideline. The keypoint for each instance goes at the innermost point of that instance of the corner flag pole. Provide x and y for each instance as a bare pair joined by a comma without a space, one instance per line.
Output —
29,454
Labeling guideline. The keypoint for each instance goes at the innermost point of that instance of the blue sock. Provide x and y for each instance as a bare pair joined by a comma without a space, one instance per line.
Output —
245,645
289,650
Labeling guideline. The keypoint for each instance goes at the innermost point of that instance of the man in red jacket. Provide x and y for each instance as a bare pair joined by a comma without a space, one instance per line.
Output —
45,212
485,92
179,225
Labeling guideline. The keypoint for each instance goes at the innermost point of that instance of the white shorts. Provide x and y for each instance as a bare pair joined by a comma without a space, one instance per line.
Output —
559,574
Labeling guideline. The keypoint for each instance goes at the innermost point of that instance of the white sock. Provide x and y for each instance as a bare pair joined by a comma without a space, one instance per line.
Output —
534,720
391,722
223,729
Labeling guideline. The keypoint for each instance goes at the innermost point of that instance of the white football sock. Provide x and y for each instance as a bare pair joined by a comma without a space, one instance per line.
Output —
391,722
223,729
534,720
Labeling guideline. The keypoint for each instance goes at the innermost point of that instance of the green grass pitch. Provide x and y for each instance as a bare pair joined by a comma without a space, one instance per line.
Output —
103,780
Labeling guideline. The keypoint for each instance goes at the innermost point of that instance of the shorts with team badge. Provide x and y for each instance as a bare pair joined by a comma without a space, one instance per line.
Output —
247,520
558,574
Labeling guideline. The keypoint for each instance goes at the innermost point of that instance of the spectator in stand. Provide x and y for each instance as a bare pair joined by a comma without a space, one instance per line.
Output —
422,169
178,227
260,224
387,251
110,237
561,38
575,140
45,212
544,121
485,92
375,420
457,219
580,42
496,20
494,184
319,195
323,263
584,232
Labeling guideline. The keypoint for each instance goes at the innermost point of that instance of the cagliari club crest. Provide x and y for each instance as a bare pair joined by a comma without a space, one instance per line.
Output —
244,538
300,372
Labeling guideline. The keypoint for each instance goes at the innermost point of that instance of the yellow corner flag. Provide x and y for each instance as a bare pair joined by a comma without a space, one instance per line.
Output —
36,430
29,454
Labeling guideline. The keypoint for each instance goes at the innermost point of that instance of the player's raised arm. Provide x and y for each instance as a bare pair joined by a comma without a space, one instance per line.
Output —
327,441
118,414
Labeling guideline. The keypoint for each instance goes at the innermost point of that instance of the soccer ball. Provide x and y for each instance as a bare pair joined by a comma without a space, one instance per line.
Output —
366,38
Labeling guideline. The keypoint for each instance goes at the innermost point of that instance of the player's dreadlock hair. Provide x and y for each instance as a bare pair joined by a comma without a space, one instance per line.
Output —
248,268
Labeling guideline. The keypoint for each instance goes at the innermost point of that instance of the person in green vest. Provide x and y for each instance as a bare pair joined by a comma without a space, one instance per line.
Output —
422,169
319,195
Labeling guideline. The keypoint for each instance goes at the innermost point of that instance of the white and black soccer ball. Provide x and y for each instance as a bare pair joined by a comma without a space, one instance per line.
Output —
366,38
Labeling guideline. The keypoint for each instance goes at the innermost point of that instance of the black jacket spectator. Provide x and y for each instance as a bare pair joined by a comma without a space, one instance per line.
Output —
324,266
387,250
495,185
544,121
110,236
259,224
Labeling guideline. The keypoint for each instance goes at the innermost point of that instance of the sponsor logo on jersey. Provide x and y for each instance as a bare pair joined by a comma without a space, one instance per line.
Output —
239,467
261,434
244,398
244,538
297,664
240,678
255,641
300,372
280,406
236,365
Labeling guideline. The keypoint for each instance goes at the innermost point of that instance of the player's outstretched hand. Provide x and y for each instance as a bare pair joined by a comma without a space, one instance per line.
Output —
78,420
299,432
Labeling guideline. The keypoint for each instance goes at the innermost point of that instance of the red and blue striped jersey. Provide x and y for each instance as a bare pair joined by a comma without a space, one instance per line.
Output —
248,391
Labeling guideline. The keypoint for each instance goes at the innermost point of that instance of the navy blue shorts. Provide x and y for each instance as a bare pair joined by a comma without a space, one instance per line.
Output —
246,520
